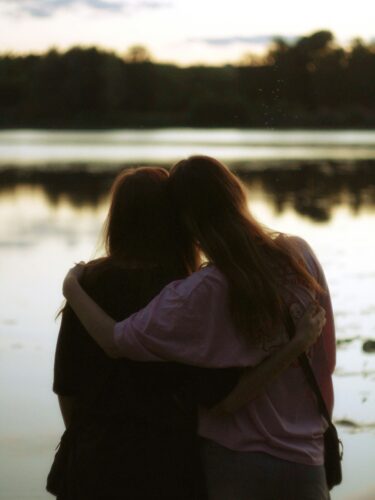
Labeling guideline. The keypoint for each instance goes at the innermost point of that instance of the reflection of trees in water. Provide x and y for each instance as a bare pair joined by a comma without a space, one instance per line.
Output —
312,189
79,186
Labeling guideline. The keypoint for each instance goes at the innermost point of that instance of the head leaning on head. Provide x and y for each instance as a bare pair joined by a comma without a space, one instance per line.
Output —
212,206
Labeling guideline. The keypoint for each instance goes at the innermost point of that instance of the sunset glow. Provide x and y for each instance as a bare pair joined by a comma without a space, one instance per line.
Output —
178,31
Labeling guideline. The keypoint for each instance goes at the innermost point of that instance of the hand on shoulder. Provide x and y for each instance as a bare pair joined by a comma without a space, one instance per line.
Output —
309,323
72,278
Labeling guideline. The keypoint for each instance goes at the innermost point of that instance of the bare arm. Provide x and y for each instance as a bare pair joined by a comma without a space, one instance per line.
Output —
94,319
255,379
101,328
66,406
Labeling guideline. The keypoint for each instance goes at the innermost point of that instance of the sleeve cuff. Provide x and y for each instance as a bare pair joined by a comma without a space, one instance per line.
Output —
117,334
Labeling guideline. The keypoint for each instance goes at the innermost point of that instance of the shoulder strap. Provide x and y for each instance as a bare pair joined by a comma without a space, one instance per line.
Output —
308,371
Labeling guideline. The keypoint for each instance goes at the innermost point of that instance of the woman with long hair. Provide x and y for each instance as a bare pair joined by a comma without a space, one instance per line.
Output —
134,423
233,312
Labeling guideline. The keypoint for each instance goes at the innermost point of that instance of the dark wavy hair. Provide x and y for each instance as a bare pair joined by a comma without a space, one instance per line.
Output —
212,205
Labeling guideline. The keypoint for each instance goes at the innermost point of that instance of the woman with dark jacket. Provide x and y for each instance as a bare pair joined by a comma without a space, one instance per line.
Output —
136,422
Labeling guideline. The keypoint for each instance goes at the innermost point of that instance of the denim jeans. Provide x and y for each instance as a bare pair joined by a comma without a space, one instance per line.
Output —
237,475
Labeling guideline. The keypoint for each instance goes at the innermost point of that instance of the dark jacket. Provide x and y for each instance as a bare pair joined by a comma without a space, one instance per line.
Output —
136,437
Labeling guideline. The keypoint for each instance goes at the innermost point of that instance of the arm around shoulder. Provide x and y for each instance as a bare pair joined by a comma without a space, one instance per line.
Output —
97,322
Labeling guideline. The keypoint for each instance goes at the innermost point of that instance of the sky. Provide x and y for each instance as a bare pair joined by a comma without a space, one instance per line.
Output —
179,31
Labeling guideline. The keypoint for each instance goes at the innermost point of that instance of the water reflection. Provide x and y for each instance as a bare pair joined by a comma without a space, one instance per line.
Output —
314,190
311,189
51,218
78,186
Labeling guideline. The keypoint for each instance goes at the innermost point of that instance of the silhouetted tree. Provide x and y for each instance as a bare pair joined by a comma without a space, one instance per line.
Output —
137,54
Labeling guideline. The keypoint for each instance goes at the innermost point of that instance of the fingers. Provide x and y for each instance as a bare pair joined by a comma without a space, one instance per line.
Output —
313,310
322,319
316,308
317,317
296,311
320,316
76,271
80,263
309,322
78,266
317,320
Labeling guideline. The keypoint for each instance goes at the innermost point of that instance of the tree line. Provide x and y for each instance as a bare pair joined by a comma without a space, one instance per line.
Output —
311,82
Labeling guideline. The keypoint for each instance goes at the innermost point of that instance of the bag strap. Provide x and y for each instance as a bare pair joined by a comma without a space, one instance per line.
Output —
308,371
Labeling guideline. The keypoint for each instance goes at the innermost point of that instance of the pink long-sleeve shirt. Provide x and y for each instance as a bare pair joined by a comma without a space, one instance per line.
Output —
189,322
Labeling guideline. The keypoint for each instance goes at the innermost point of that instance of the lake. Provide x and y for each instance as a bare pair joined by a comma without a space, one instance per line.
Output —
39,147
53,201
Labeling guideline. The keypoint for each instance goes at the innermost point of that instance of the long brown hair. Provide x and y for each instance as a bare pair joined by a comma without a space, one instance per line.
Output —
212,204
142,227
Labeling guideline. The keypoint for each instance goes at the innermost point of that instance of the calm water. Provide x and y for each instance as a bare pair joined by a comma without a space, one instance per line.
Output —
47,222
37,147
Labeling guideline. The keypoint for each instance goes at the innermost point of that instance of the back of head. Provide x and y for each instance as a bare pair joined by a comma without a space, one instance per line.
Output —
212,204
206,191
141,226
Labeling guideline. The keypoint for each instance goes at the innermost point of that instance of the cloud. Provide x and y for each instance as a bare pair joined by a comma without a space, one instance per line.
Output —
242,40
47,8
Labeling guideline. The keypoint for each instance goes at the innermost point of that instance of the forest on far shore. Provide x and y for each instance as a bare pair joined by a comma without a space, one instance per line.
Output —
312,82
